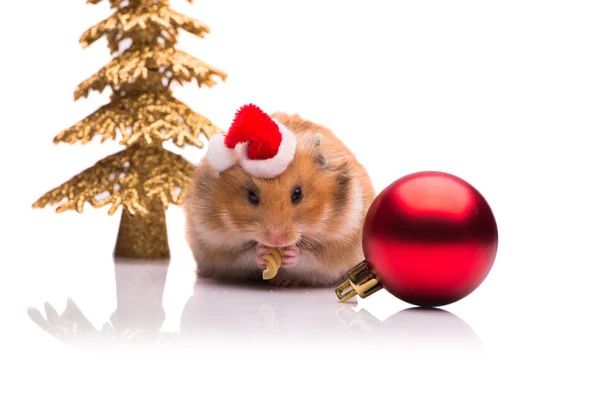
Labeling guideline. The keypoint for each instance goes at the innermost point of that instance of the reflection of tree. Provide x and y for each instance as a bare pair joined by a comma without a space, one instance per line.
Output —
71,326
137,319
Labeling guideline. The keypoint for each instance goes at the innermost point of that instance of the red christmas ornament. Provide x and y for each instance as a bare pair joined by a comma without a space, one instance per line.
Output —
429,238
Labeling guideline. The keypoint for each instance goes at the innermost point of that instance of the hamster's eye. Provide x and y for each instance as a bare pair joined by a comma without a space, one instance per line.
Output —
297,195
252,197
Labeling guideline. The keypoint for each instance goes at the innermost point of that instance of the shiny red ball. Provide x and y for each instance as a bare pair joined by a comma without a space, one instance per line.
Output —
431,238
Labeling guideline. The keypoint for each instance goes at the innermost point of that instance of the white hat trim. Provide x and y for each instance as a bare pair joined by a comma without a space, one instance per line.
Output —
272,167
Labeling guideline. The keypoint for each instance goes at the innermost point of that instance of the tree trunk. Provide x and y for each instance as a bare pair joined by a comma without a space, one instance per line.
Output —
143,236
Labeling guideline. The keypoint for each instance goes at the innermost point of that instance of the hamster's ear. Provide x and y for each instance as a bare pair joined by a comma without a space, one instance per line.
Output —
314,147
316,139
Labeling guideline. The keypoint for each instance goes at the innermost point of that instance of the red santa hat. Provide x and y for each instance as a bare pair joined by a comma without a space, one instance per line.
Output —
263,146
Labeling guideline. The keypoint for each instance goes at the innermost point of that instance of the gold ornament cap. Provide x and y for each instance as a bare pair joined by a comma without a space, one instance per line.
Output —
361,280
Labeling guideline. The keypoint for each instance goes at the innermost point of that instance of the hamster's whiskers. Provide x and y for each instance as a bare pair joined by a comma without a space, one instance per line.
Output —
308,240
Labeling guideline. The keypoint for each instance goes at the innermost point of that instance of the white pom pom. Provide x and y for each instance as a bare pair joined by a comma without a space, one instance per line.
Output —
219,156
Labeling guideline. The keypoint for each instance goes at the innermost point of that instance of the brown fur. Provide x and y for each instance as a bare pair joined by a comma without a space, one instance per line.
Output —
222,227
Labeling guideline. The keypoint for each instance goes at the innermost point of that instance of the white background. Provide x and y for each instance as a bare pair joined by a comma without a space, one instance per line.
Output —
503,94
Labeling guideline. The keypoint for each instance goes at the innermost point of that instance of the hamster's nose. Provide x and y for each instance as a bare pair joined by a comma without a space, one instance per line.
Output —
276,238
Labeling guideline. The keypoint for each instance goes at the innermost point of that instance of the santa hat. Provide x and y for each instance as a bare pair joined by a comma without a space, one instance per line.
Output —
263,146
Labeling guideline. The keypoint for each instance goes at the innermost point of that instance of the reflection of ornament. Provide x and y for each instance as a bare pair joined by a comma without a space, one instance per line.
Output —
422,331
429,238
360,321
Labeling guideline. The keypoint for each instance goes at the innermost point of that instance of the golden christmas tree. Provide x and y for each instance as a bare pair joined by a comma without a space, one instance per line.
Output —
142,113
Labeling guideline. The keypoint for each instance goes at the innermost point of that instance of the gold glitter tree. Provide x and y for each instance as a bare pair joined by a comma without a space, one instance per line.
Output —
142,113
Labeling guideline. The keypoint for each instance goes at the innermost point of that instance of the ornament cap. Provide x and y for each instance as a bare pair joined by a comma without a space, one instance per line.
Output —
362,281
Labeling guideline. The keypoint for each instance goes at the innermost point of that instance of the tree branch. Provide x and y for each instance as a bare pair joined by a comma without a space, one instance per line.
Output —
132,67
143,20
131,178
150,117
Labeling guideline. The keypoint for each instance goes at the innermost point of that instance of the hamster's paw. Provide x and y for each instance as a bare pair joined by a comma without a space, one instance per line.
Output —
205,272
261,250
291,255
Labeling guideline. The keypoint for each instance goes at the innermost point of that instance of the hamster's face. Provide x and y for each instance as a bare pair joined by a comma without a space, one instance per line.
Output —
279,212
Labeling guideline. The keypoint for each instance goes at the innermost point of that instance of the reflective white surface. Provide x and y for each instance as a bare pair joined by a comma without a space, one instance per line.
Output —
249,313
159,331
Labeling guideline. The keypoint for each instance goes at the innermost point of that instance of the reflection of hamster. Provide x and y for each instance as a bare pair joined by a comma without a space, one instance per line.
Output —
215,312
314,210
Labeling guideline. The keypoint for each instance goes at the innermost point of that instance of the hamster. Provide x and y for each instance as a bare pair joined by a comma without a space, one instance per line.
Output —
314,210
